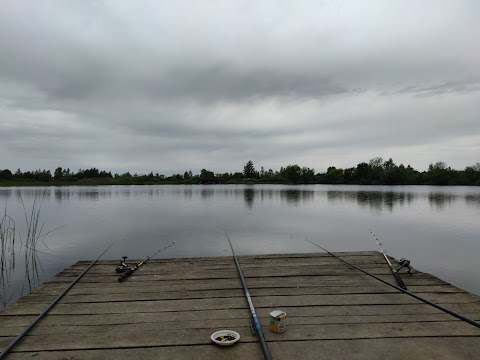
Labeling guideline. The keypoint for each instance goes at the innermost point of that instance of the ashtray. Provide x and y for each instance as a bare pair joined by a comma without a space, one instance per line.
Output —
225,337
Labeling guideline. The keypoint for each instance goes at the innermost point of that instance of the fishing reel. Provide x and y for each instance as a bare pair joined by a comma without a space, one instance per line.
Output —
122,266
404,263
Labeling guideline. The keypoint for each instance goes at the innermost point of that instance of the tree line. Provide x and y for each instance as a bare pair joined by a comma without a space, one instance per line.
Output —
375,172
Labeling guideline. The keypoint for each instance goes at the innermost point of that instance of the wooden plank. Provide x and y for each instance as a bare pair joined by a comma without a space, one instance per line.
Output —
140,338
373,313
228,303
344,254
440,348
210,351
232,273
158,336
451,348
53,288
161,294
72,326
145,275
229,263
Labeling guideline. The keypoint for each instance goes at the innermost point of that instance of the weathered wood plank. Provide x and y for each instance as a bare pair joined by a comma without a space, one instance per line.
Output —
234,303
229,263
71,327
139,338
147,276
210,351
161,337
414,284
441,348
346,254
347,313
161,294
232,273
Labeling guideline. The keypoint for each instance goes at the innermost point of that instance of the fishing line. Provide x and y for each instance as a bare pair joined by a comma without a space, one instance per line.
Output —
458,316
44,312
258,327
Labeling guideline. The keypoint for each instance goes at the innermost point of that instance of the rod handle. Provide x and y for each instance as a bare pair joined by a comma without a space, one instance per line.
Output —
125,275
399,280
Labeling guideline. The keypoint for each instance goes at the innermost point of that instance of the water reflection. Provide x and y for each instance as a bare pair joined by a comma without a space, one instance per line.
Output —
61,195
291,197
377,200
441,200
473,200
297,197
382,199
207,193
249,196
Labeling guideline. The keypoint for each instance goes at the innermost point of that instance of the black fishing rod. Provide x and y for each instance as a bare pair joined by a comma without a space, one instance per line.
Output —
44,312
130,271
392,269
458,316
256,322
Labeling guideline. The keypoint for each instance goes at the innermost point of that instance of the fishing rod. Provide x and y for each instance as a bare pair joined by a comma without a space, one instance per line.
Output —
458,316
392,269
124,266
44,312
256,322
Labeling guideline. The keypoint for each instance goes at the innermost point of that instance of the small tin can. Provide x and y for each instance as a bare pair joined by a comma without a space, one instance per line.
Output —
278,321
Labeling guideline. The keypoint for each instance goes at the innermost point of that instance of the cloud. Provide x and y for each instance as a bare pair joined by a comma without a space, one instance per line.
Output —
164,86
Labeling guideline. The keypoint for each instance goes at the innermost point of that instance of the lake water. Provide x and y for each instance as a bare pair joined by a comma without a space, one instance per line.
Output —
437,228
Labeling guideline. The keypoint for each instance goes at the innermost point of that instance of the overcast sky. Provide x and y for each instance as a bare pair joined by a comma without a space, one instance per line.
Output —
169,86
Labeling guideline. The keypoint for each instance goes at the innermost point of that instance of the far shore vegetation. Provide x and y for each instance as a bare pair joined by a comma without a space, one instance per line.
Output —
375,172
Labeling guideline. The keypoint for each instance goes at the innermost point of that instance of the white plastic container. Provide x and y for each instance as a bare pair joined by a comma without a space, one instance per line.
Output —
224,337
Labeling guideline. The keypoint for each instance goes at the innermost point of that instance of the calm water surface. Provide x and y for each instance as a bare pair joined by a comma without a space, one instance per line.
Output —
437,228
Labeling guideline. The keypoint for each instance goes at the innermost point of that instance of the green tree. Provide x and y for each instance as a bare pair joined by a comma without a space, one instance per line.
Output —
291,173
334,175
204,174
472,174
308,175
362,173
58,174
438,173
249,170
6,174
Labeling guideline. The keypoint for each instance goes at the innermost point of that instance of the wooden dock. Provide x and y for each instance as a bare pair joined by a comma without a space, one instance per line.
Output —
170,307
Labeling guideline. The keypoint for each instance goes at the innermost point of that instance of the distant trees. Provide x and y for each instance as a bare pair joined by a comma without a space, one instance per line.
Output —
92,174
294,174
374,172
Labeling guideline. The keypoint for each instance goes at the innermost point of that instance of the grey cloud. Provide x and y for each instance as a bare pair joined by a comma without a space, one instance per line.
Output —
152,86
449,86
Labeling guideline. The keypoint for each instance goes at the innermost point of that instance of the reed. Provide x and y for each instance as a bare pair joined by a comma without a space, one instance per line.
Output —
7,255
13,244
33,265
